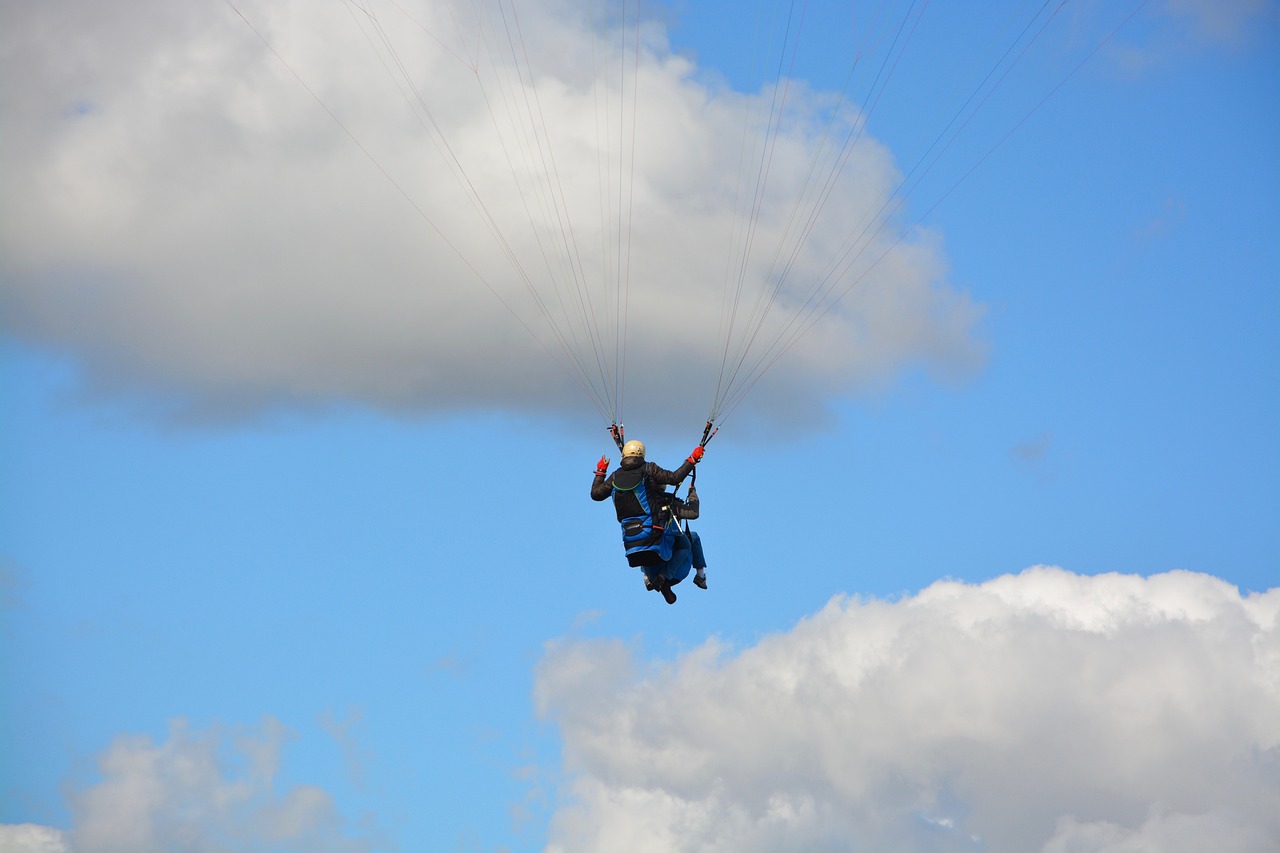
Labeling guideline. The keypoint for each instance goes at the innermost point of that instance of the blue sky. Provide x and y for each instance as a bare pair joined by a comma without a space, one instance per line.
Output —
292,502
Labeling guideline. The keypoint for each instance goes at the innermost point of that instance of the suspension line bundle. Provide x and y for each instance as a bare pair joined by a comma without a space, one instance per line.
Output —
577,276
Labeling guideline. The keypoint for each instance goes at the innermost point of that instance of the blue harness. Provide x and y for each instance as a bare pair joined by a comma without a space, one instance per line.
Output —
645,541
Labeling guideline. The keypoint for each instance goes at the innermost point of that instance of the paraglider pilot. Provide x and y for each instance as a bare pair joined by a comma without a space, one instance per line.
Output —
649,517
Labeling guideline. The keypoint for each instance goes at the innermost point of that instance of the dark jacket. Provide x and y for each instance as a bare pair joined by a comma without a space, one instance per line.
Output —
656,478
642,532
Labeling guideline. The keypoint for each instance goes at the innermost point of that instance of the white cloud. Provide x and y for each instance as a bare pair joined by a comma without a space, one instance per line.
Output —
1045,711
181,216
31,838
208,791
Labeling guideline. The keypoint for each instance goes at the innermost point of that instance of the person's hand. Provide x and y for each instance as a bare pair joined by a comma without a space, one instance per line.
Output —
602,467
696,456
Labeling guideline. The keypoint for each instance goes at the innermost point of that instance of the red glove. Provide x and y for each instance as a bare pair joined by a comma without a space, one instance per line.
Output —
696,456
602,467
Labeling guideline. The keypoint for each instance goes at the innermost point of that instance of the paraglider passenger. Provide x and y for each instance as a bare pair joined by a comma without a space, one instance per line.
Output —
644,509
688,509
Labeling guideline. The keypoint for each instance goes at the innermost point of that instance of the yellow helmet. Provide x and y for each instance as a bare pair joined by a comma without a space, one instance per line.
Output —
633,448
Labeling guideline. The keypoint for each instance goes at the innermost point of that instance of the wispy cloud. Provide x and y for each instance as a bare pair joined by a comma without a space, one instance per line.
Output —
198,790
347,733
1174,29
1034,449
1160,225
1033,454
1044,711
13,580
1228,21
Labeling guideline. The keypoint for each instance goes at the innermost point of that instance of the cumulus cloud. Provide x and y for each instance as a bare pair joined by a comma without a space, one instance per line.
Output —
181,215
209,791
1046,711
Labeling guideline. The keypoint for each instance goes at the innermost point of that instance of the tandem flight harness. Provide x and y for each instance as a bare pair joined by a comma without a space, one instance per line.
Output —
647,538
648,533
